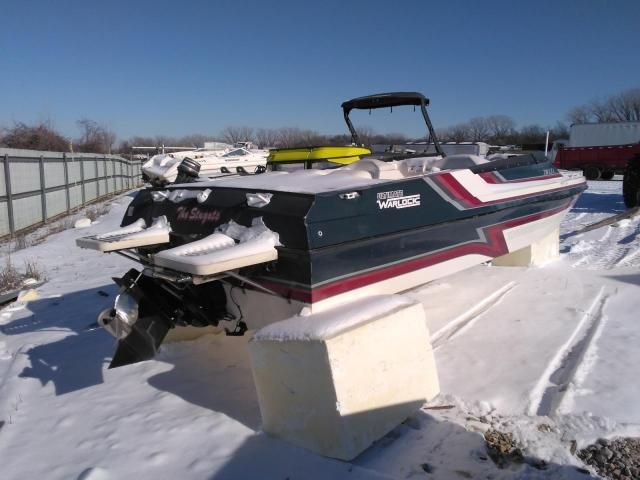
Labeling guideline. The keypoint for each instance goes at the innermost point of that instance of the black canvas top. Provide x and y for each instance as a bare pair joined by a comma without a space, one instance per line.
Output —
382,100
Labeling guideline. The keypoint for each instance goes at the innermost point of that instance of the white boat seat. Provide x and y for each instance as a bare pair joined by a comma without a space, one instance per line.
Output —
379,169
217,253
418,166
131,236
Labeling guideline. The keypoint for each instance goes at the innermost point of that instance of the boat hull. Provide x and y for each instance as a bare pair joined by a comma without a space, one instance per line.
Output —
398,262
417,229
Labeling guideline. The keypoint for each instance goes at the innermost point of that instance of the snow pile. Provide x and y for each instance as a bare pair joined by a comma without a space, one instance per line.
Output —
258,232
324,325
82,223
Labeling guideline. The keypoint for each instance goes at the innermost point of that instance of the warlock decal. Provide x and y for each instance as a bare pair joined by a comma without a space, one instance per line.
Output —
397,199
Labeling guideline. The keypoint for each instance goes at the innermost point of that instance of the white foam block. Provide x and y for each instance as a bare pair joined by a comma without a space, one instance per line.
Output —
537,254
344,378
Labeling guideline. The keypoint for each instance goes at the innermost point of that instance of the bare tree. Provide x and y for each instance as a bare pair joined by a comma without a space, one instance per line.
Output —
500,128
625,107
621,107
366,135
443,134
266,137
237,134
94,138
339,139
560,130
581,114
532,134
195,140
459,133
41,136
478,129
601,111
289,137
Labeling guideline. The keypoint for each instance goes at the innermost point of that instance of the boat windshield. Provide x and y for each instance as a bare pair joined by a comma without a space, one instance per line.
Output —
236,153
308,165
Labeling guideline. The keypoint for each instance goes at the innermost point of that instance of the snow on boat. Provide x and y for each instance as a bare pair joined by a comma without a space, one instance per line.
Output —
317,238
163,169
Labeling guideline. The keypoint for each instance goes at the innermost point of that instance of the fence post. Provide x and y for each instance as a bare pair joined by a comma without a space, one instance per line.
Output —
66,180
106,175
113,175
97,179
82,181
7,181
43,190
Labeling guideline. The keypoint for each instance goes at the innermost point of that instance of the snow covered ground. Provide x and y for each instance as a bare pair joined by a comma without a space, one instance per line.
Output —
549,354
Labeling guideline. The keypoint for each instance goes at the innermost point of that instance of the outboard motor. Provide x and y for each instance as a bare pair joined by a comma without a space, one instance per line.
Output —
188,171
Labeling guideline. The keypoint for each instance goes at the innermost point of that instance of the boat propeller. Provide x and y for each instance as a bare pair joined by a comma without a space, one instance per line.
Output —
147,308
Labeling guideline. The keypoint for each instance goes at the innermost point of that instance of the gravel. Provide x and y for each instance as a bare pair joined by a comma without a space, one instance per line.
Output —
502,448
614,459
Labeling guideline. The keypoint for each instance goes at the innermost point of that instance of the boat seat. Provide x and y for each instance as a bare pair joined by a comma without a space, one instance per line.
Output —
453,162
131,236
217,253
418,166
378,169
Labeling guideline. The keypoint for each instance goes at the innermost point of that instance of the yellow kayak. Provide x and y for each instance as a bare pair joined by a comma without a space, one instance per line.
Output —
340,155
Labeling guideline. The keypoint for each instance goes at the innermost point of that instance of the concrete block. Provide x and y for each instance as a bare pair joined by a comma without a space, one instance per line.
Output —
336,381
536,254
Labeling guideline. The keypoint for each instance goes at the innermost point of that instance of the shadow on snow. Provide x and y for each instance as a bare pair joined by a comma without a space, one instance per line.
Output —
590,202
75,361
213,372
422,447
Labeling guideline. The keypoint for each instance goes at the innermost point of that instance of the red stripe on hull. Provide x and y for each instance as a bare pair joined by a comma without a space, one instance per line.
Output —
494,246
451,186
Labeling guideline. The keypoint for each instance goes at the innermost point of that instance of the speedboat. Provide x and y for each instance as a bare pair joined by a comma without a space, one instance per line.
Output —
162,169
254,249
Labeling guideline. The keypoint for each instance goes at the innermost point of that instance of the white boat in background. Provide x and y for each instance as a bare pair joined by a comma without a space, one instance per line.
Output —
215,159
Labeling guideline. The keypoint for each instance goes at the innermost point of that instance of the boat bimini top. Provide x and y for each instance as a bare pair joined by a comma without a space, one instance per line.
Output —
390,100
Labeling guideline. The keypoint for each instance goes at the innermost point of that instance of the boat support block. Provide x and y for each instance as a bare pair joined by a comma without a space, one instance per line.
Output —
536,254
372,364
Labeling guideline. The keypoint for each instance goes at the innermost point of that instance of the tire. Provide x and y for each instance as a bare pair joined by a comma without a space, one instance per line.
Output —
591,173
607,175
631,184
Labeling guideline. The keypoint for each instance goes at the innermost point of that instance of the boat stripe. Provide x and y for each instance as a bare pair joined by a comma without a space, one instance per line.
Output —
494,245
451,186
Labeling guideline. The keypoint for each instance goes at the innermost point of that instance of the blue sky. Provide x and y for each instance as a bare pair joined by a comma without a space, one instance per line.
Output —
162,67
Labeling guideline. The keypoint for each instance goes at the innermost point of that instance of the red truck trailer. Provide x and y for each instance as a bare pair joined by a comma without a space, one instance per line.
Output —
600,150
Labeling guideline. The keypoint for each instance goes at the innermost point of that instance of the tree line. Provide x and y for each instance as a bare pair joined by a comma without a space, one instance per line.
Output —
494,129
93,138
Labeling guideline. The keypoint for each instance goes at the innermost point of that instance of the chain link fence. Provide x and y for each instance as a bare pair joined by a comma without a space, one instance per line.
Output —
37,186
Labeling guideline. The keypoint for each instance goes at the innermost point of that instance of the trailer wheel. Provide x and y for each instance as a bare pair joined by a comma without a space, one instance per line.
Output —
631,183
607,175
591,172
